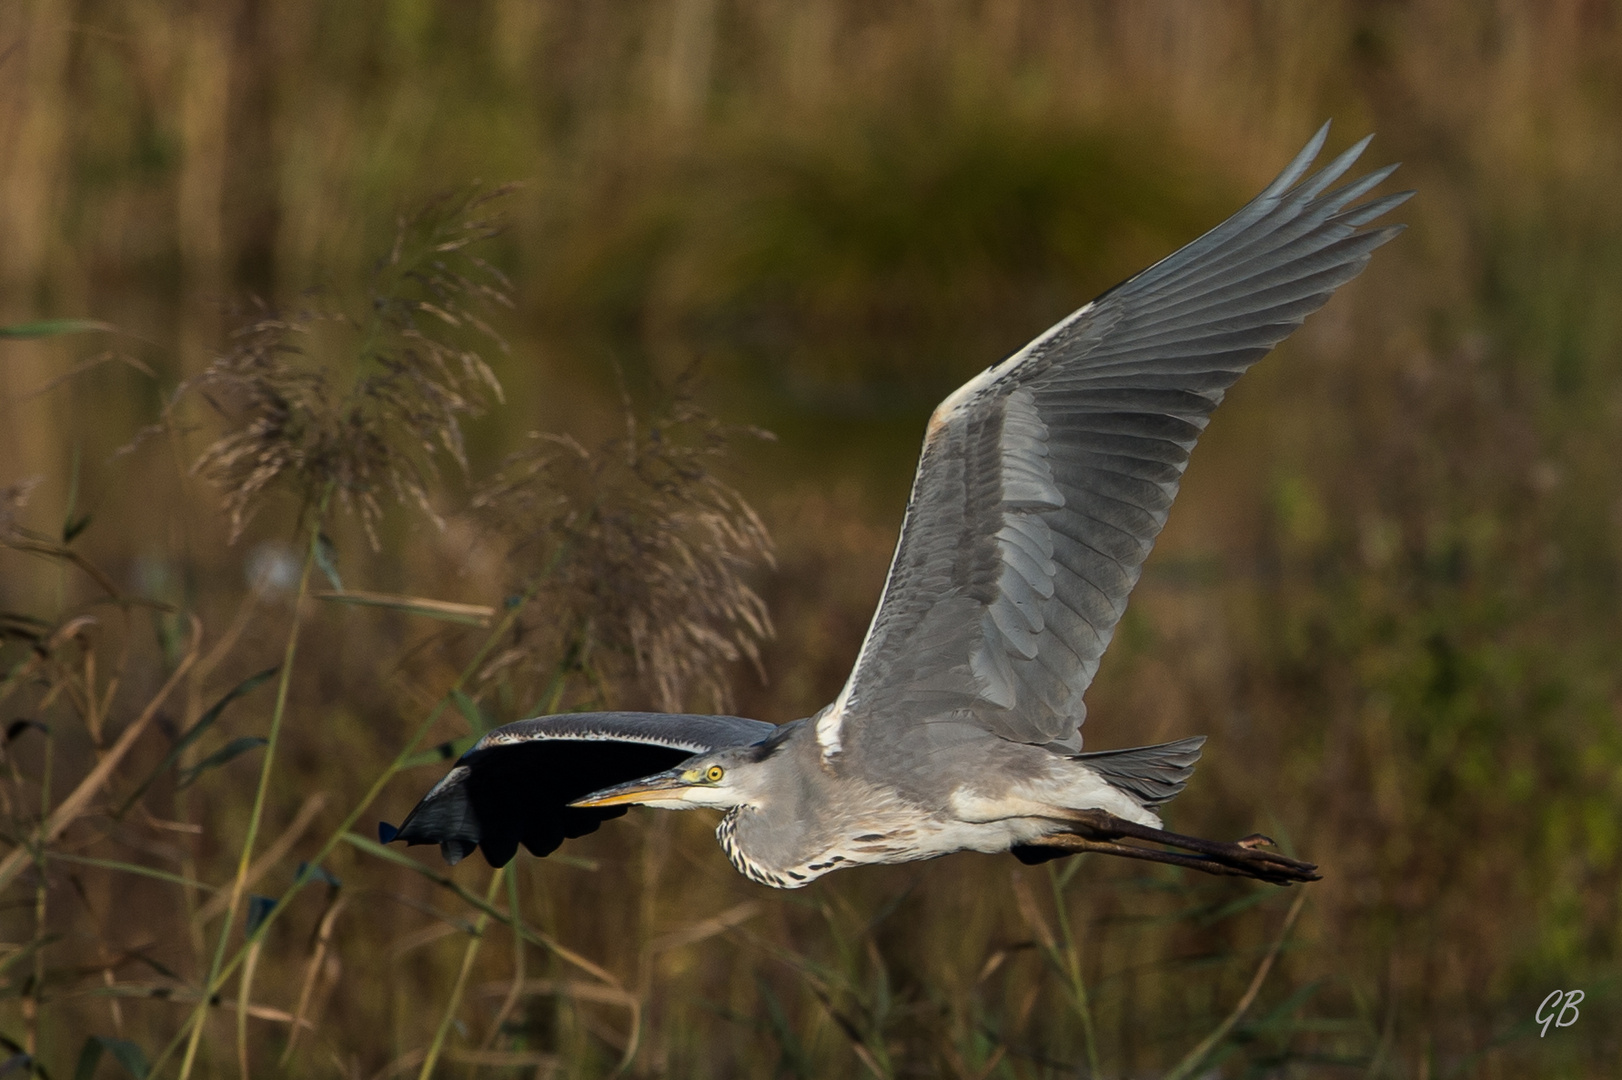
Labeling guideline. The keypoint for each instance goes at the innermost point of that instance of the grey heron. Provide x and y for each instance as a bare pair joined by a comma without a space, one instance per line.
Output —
1042,486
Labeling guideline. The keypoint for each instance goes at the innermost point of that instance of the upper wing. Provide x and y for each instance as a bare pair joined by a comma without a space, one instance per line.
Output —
515,784
1045,480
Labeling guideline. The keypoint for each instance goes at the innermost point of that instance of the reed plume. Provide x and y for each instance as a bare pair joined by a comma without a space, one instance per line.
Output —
653,554
318,399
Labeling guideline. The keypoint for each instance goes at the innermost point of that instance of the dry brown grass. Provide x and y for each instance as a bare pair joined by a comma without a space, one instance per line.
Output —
1388,591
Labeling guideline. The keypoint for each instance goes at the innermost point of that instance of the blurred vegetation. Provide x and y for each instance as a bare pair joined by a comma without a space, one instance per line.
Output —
1389,591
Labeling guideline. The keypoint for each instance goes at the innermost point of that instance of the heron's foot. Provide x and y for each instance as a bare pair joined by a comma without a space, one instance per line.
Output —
1103,832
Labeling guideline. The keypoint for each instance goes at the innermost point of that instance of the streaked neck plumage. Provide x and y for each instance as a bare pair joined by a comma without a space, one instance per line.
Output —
773,835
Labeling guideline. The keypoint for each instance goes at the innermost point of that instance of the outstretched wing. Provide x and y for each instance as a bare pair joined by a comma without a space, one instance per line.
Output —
1045,480
515,784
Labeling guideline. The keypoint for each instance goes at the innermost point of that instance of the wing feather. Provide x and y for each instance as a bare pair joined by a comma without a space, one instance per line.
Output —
515,784
1045,480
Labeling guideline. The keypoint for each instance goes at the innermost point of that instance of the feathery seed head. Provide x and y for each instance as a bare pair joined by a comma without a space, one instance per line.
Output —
362,405
653,554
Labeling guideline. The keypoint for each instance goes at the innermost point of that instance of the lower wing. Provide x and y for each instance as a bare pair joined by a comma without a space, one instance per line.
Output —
515,784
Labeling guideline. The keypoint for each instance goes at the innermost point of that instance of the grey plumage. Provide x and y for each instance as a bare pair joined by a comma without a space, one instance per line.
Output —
1041,488
1003,596
1153,774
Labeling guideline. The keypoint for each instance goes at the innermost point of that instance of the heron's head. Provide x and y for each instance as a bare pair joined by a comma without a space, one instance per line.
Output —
736,776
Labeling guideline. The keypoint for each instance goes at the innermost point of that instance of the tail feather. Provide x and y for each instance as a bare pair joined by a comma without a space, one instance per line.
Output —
1151,774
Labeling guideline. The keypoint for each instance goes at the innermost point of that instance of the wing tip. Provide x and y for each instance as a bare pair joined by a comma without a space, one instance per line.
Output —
1312,187
1300,163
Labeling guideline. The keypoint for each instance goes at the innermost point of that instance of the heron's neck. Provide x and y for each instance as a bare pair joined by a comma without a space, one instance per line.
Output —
745,858
771,837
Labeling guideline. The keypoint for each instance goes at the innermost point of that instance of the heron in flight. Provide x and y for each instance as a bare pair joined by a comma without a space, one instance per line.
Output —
1043,483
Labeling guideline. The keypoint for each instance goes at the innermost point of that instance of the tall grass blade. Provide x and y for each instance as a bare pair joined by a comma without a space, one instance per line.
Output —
480,615
515,989
55,328
1185,1068
275,853
475,716
245,985
227,753
313,970
261,791
326,558
130,868
122,1051
70,809
204,722
517,924
469,954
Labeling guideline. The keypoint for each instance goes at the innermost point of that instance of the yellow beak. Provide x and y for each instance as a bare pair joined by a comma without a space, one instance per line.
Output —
637,790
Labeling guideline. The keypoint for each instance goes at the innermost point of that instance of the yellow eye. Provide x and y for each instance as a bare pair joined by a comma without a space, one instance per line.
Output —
714,773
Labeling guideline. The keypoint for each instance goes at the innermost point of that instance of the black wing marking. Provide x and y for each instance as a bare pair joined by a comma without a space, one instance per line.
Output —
515,784
1044,481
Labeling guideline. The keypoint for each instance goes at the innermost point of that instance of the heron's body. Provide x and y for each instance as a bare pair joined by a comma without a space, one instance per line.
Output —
998,796
1041,488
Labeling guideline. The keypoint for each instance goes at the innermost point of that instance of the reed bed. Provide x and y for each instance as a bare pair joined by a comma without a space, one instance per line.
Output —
310,472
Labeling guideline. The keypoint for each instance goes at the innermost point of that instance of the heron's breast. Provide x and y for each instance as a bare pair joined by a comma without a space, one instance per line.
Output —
793,858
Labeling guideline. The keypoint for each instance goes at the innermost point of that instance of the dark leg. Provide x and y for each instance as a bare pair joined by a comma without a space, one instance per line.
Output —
1099,831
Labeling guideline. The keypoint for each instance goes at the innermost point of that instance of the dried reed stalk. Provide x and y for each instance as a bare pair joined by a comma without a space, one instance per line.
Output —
1185,1068
73,807
469,954
652,588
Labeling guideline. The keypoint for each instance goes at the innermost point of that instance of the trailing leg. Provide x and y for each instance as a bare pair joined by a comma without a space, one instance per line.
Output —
1097,830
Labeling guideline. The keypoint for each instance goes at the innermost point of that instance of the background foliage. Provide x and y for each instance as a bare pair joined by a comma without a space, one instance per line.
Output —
1389,591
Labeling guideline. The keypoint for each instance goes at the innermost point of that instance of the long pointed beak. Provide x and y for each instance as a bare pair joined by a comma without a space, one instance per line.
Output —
636,791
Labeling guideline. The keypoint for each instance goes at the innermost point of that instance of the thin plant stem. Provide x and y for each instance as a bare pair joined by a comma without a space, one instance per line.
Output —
244,996
1196,1057
191,1030
1072,971
74,806
245,860
510,1002
41,894
469,954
